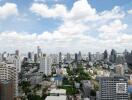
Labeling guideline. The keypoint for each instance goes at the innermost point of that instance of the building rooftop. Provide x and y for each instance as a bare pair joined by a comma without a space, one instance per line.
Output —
55,98
58,91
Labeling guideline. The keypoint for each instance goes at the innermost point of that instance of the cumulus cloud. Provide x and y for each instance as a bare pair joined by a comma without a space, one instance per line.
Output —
115,13
75,33
81,10
112,30
113,27
8,9
40,1
52,41
44,11
112,35
129,11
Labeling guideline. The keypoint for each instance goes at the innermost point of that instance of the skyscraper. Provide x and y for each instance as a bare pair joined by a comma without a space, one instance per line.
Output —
105,55
76,57
79,56
17,63
0,57
17,52
89,56
30,56
120,70
113,56
113,88
39,52
7,90
60,57
68,57
45,65
9,72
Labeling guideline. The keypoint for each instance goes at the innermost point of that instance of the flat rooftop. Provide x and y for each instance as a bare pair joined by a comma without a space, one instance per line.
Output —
55,98
58,91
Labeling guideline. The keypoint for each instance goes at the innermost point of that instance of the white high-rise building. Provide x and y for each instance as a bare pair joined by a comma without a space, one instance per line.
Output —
54,58
14,59
17,63
0,57
9,72
120,69
45,65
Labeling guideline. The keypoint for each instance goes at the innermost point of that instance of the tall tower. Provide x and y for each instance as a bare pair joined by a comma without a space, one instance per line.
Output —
79,56
17,63
60,57
105,55
45,65
9,72
39,52
17,52
113,56
113,88
7,90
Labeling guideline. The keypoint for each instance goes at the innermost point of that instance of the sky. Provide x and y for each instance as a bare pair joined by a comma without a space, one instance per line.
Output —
65,25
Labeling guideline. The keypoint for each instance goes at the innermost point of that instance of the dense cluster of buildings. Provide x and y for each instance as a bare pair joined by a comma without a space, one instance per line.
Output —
114,78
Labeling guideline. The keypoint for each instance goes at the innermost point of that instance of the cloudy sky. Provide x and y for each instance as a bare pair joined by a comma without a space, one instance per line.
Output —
65,25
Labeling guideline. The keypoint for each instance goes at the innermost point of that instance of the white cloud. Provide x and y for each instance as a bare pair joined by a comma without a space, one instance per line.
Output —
129,11
8,9
44,11
115,13
113,27
75,33
81,11
40,1
73,28
112,31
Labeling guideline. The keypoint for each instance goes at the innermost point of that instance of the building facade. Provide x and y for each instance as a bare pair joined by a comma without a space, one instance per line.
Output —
7,90
45,65
113,88
9,72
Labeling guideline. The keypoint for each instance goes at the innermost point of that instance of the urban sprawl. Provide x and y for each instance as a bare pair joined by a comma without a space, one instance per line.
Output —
66,76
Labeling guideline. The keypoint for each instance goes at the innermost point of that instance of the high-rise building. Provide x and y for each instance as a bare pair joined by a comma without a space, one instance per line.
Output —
113,88
17,63
39,52
14,59
55,58
113,56
120,70
90,56
60,57
79,56
35,58
98,56
9,72
105,55
68,57
76,57
0,57
7,90
45,65
125,52
3,56
17,52
30,56
120,59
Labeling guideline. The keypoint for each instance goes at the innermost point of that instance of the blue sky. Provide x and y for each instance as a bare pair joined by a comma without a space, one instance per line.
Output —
54,25
50,24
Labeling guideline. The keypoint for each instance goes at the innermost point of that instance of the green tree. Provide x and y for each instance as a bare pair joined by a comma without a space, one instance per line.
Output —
33,97
25,85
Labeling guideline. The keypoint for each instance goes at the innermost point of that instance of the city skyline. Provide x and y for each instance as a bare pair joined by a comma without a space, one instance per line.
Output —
67,26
